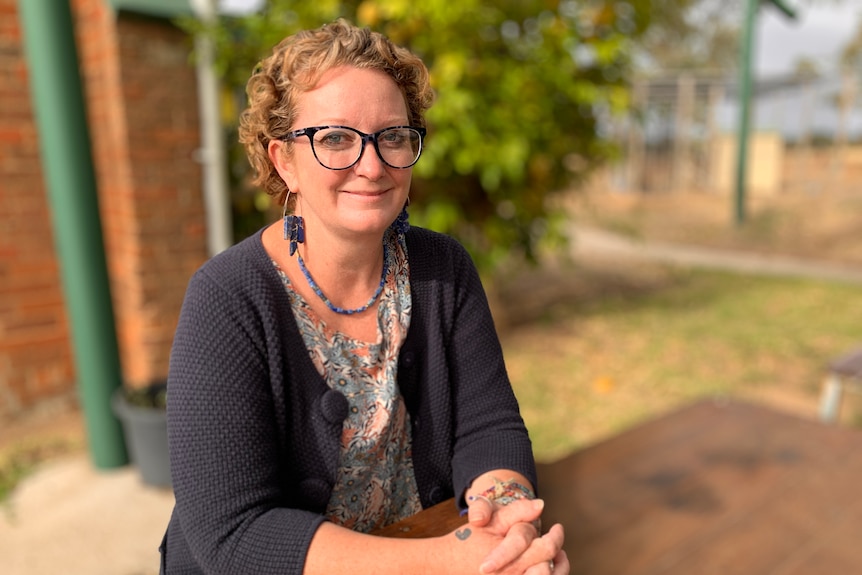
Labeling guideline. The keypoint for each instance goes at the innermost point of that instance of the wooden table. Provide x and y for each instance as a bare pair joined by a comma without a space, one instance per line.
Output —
723,488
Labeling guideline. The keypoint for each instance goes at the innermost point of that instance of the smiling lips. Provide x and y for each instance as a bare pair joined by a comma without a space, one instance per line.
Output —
368,194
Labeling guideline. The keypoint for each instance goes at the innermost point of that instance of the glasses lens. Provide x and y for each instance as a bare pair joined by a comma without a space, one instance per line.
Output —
399,147
337,148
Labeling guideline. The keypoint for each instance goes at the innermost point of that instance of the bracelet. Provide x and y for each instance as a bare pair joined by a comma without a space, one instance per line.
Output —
505,492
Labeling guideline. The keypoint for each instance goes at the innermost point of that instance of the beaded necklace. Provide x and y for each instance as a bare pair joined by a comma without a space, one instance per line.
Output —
316,289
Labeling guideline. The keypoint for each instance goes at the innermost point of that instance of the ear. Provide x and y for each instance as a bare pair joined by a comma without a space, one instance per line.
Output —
282,159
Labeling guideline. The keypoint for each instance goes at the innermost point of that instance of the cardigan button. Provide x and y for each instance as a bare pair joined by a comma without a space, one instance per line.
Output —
407,359
334,406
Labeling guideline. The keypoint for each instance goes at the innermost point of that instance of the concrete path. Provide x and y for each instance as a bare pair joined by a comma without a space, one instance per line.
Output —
68,519
590,242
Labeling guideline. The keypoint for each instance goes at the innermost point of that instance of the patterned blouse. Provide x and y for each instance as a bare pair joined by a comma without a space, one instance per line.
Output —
375,484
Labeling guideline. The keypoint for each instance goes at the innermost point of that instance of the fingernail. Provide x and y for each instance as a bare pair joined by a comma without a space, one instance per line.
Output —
487,567
538,504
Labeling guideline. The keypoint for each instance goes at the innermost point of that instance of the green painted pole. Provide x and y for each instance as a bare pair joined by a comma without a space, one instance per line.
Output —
744,108
745,62
64,141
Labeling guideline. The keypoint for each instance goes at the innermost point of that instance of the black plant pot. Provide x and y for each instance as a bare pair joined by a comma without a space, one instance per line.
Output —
143,417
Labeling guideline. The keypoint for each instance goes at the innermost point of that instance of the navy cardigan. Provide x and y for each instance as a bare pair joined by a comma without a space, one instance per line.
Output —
254,430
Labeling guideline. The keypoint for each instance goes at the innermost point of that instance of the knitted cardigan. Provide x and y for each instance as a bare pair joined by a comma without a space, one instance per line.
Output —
254,430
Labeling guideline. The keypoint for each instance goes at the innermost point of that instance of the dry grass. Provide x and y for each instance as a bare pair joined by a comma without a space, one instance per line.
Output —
594,347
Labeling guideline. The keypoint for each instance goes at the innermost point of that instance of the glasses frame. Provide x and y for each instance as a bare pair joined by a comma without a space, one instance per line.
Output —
310,132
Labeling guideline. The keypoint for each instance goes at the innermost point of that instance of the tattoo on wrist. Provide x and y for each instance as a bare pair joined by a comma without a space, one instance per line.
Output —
463,534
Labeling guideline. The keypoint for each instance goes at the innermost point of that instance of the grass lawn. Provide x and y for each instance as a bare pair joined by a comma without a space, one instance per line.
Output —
623,349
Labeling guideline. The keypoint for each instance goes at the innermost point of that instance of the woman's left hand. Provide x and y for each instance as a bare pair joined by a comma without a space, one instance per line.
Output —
516,522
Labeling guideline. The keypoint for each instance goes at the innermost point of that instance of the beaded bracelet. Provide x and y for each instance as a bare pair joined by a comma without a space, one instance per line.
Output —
505,492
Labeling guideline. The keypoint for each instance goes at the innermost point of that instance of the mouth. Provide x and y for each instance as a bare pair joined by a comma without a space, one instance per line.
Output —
366,193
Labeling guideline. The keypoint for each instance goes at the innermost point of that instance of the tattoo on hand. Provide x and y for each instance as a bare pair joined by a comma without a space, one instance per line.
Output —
463,534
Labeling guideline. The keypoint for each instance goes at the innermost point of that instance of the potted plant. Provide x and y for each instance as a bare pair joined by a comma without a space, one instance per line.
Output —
141,412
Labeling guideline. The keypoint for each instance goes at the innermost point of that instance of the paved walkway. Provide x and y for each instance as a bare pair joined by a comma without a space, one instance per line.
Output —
594,242
68,519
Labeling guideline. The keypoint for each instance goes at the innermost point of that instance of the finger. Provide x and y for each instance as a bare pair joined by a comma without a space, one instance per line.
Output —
479,511
543,550
521,511
554,539
561,564
513,545
543,568
540,558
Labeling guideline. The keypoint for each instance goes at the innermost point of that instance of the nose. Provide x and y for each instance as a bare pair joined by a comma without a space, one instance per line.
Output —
370,165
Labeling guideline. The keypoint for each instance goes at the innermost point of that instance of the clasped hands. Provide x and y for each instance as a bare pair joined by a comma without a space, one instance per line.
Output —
504,540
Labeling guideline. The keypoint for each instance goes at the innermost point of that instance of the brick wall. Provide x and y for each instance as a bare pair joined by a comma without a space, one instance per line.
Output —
142,103
141,99
35,356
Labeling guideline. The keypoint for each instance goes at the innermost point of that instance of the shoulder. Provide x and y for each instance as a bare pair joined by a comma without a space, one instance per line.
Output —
244,270
436,251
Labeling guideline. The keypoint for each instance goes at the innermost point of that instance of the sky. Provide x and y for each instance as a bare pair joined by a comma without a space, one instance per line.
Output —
818,33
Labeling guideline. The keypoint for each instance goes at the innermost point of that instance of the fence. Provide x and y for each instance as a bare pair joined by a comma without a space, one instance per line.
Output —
806,135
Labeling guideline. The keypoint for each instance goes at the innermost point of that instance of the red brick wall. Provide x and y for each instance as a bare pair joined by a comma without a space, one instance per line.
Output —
140,90
35,356
142,101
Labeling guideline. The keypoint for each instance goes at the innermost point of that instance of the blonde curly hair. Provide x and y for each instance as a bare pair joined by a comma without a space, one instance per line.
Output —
296,65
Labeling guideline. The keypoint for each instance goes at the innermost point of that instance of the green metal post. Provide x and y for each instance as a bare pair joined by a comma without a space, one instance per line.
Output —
58,102
744,108
745,61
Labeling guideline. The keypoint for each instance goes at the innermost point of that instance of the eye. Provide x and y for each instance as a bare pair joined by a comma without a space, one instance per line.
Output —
394,138
335,139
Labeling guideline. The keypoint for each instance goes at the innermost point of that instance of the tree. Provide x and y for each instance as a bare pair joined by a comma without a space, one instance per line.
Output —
692,35
522,85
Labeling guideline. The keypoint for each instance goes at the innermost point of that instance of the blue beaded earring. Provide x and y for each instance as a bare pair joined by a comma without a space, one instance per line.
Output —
294,227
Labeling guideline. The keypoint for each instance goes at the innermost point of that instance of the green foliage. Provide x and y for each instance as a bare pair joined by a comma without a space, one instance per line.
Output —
522,87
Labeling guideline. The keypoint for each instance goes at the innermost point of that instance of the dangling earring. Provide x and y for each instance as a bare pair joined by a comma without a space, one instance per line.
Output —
294,227
402,223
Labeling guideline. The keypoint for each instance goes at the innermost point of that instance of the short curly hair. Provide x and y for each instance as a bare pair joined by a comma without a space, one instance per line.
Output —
296,65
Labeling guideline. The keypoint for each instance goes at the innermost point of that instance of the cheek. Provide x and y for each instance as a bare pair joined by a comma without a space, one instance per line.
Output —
404,179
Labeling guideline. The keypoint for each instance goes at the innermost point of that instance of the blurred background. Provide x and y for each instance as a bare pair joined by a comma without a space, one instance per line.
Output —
568,139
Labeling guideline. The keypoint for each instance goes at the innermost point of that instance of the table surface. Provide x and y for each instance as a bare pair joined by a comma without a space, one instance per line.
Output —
711,488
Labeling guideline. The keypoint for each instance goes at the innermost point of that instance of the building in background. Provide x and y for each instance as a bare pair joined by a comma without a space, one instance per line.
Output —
142,106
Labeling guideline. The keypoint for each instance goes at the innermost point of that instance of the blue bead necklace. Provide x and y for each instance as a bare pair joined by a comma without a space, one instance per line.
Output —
316,288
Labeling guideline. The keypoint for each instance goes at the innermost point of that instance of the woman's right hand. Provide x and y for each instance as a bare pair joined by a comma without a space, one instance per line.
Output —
508,543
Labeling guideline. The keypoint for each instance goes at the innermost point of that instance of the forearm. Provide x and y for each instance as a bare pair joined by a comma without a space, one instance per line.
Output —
333,549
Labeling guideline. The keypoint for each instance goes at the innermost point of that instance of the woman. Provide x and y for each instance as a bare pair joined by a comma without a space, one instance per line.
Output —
339,371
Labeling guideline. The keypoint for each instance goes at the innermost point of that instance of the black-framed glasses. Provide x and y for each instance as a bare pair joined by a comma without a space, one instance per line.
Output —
341,147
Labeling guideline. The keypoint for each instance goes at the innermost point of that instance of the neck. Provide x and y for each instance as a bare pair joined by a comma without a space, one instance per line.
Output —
343,274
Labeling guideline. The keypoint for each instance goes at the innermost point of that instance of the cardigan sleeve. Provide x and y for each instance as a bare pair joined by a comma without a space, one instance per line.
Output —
489,431
227,475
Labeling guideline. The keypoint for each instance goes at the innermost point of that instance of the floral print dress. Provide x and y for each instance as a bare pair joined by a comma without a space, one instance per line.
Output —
376,485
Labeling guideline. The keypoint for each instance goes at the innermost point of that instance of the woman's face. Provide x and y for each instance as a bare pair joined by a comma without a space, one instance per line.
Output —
363,199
